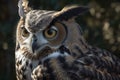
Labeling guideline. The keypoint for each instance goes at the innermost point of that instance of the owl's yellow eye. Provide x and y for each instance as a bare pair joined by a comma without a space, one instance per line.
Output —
25,33
50,33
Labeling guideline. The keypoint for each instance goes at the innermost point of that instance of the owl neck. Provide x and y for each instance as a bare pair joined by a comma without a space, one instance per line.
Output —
75,41
80,47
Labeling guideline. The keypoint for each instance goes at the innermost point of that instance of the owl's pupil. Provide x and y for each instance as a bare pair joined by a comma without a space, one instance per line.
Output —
50,31
25,33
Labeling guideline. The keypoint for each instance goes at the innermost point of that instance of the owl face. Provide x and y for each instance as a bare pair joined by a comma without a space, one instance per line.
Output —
40,32
41,38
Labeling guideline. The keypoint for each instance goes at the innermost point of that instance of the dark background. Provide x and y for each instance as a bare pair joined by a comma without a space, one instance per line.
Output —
101,26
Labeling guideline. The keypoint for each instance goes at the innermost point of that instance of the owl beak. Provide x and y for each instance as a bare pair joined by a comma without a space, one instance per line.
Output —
35,46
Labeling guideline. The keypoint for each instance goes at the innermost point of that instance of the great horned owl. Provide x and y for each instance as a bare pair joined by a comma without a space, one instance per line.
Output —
50,46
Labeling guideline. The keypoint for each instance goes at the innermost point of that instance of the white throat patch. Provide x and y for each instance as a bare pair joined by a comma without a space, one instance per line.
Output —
54,55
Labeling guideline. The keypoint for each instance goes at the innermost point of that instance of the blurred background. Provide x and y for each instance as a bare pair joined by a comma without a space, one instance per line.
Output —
101,27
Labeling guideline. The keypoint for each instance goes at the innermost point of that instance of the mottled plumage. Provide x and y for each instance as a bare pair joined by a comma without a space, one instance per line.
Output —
50,46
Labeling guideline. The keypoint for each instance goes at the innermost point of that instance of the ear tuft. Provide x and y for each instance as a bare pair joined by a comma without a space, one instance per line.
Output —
23,8
68,7
70,12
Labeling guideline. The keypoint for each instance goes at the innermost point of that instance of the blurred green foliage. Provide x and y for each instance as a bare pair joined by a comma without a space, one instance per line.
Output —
100,25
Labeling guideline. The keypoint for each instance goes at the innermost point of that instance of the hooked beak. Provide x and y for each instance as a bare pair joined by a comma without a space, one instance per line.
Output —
35,45
38,43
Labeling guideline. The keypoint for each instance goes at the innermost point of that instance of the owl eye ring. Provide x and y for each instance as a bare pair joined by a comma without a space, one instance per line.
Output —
50,33
25,33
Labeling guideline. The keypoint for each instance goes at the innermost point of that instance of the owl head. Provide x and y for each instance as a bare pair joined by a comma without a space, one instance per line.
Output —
41,32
